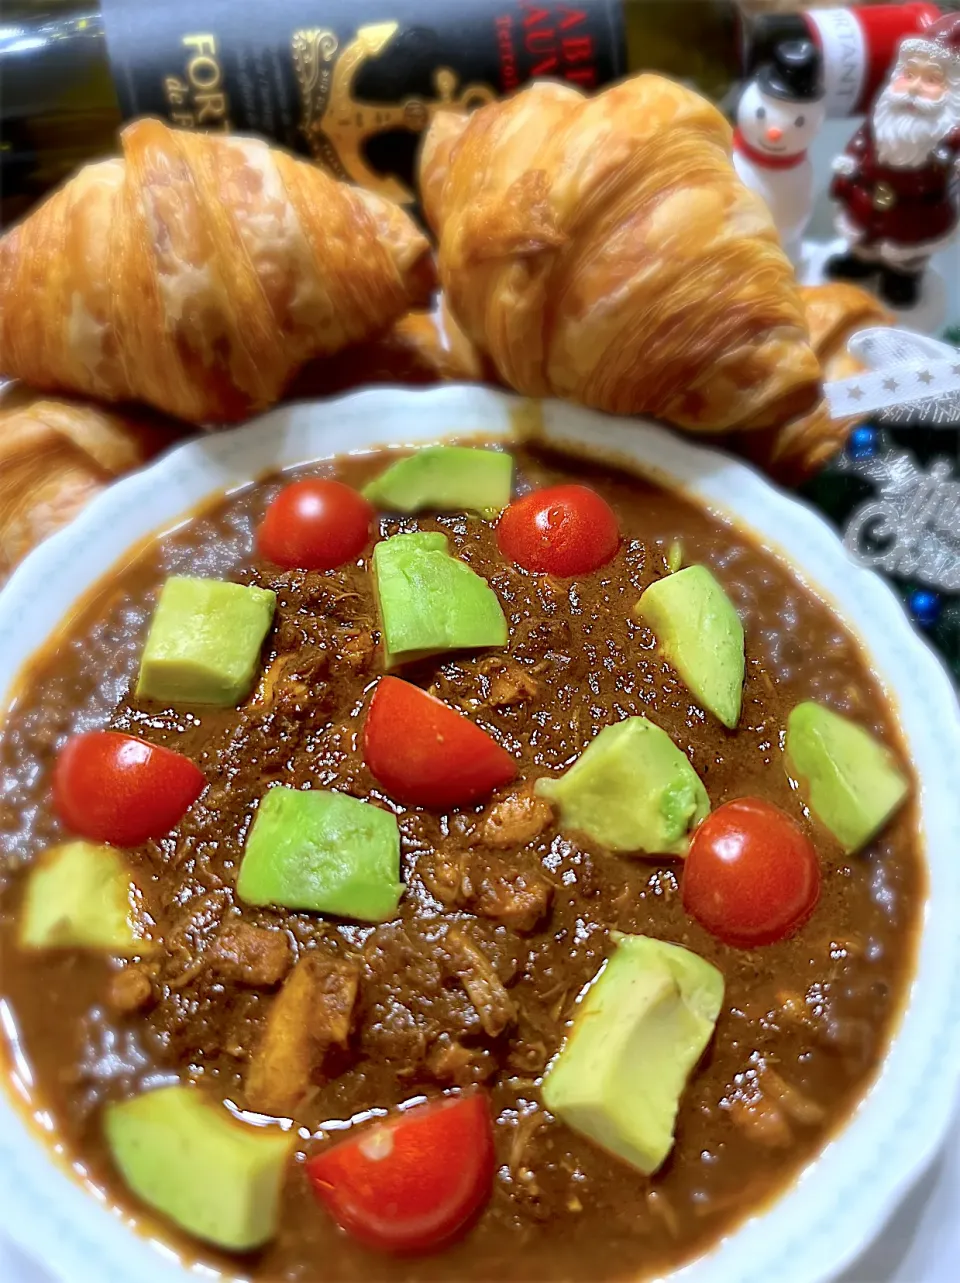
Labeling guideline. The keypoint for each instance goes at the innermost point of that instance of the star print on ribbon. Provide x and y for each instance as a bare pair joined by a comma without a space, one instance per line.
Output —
909,378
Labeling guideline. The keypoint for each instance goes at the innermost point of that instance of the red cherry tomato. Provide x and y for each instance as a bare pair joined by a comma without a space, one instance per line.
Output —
751,875
424,753
564,530
112,787
315,525
413,1183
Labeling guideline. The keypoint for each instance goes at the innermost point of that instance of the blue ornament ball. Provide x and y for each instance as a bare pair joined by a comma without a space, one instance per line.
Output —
925,607
862,442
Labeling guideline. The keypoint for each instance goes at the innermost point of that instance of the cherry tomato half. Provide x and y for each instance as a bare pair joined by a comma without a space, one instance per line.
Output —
564,530
751,876
315,524
424,753
111,787
413,1183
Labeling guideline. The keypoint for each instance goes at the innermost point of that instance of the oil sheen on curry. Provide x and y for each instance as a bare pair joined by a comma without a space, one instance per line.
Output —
454,865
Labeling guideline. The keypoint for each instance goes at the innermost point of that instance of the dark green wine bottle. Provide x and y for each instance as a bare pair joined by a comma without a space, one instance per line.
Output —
353,83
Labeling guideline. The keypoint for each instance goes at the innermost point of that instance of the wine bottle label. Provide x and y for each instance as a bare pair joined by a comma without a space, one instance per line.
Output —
352,85
844,49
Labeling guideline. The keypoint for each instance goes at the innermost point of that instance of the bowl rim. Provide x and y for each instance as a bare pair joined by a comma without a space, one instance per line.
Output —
841,1200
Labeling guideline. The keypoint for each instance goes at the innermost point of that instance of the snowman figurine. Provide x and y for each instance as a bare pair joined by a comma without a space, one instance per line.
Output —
779,114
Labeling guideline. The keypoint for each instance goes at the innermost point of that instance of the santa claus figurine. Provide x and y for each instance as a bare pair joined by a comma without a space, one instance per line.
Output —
897,181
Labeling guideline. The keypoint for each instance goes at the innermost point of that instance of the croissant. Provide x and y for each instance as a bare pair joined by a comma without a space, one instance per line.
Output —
603,249
55,456
834,312
421,348
198,272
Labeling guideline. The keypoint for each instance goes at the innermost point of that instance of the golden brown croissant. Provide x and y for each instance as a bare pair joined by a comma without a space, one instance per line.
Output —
198,272
55,456
834,312
603,249
421,348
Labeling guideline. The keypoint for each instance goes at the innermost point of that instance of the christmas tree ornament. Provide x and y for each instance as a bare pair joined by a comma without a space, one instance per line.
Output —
779,114
909,528
893,492
896,183
862,442
925,607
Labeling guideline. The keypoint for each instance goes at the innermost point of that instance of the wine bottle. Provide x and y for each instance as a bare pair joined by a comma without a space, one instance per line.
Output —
354,84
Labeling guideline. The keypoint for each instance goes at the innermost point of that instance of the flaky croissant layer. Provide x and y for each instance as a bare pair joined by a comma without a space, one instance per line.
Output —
834,312
604,249
198,273
57,455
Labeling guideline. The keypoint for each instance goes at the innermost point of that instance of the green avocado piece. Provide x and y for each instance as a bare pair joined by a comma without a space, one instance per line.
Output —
214,1177
631,790
323,851
699,632
204,642
445,478
850,780
638,1030
431,601
80,896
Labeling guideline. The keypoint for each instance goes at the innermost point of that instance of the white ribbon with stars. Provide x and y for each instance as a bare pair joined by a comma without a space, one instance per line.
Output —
909,377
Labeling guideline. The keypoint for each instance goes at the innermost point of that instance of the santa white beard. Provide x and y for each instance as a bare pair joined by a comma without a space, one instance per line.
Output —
907,128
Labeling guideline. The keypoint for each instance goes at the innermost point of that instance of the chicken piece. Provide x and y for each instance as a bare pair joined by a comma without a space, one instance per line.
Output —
291,678
335,996
515,820
276,683
186,938
200,917
761,1119
312,1012
489,887
514,897
356,651
484,987
792,1009
510,684
790,1099
521,1144
450,1062
248,955
661,1207
131,990
446,877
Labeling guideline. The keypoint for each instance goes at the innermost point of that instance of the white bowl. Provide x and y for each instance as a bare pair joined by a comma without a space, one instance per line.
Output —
843,1197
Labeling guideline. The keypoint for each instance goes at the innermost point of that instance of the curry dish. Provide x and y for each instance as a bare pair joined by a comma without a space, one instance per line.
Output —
465,902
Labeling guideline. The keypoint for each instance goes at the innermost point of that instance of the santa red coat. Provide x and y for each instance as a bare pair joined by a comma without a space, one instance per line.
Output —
887,208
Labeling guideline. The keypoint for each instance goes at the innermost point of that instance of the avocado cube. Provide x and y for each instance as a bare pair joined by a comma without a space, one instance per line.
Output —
631,790
638,1030
214,1177
80,896
699,632
445,478
323,851
204,642
850,781
430,601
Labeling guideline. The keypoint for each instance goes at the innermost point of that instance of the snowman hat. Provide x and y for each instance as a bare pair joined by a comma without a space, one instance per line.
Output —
794,74
940,43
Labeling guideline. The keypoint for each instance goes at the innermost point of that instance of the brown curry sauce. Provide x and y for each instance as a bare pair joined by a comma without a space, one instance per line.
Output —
805,1022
